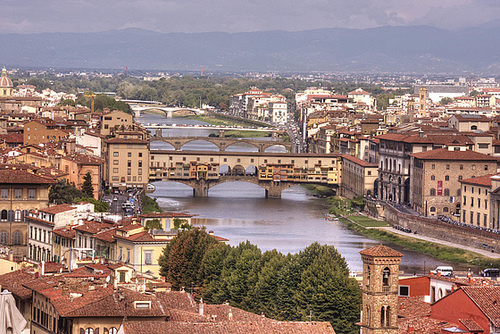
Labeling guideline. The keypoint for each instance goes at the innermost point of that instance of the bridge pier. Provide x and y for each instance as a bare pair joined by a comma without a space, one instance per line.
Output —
274,189
200,189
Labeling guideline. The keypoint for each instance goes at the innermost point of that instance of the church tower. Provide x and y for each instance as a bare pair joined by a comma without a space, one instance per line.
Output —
422,99
6,85
380,290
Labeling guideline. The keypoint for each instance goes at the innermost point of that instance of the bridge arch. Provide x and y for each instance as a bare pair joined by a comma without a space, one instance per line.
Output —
190,145
276,148
242,143
238,170
252,170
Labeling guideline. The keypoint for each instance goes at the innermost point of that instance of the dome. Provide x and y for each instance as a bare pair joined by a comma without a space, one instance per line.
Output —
5,82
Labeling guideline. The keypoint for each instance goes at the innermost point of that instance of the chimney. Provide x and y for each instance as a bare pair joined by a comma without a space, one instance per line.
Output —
201,307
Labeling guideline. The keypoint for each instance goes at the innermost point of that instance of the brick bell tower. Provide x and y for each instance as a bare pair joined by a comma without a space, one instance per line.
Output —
380,290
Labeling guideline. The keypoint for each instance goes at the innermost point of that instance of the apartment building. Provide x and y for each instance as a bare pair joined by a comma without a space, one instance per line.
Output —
358,177
475,201
435,187
127,163
114,121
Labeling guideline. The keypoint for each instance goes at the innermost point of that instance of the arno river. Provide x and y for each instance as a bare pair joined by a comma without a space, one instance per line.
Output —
239,211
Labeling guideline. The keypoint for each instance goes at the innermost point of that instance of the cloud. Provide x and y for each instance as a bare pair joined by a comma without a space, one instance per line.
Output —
27,16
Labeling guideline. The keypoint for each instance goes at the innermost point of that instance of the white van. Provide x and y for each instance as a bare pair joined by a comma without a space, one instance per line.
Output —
444,270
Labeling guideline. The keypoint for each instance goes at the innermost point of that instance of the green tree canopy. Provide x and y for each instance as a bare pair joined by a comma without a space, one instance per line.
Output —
63,192
87,188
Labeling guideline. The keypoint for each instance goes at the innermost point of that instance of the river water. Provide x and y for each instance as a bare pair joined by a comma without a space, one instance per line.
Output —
239,211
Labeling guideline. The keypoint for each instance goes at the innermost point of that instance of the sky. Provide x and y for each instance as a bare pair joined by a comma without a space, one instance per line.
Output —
34,16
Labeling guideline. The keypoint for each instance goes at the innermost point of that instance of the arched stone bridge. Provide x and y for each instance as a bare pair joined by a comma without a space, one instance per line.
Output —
223,143
169,111
201,187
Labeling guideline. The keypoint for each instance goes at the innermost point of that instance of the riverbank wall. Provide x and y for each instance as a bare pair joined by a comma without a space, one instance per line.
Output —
441,230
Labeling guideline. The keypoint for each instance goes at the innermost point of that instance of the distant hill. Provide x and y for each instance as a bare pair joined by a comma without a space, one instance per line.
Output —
418,49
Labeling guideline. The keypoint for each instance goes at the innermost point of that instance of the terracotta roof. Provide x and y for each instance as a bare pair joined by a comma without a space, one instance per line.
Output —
58,209
411,307
471,118
83,159
14,281
177,300
92,227
23,177
487,299
165,215
234,327
381,251
107,236
358,161
126,141
480,181
445,154
141,237
471,325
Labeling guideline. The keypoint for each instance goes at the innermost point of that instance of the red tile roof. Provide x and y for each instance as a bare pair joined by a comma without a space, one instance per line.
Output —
14,281
64,232
58,208
10,176
471,325
480,181
234,327
381,251
445,154
487,299
92,227
358,161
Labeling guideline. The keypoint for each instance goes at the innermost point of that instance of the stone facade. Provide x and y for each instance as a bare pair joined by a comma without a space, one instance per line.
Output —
380,290
358,177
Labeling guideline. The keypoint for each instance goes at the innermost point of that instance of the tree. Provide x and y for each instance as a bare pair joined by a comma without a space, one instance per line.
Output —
154,224
181,224
63,192
181,261
87,189
99,206
445,100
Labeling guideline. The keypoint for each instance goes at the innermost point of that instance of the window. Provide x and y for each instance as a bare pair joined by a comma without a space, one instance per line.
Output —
115,154
115,170
433,166
448,166
478,219
464,216
433,192
472,218
31,193
461,167
404,291
460,178
485,221
129,163
140,154
128,255
484,145
433,177
432,209
89,331
446,192
18,193
148,257
386,275
485,167
473,167
447,178
113,330
3,238
129,171
445,209
472,202
18,238
369,172
129,154
485,204
115,162
5,193
140,163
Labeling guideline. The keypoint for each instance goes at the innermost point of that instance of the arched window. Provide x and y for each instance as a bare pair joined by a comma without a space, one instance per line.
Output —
447,192
459,192
89,331
4,215
460,178
473,127
18,216
445,209
433,192
433,209
368,316
368,277
113,330
386,273
18,238
447,178
433,177
3,238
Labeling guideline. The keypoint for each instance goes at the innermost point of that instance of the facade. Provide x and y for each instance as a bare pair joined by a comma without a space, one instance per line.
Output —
358,177
115,121
435,179
127,163
6,85
278,112
78,165
36,132
465,122
475,201
380,290
494,203
20,191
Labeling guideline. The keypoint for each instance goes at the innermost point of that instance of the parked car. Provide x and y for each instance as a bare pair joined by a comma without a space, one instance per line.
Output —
490,272
444,270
